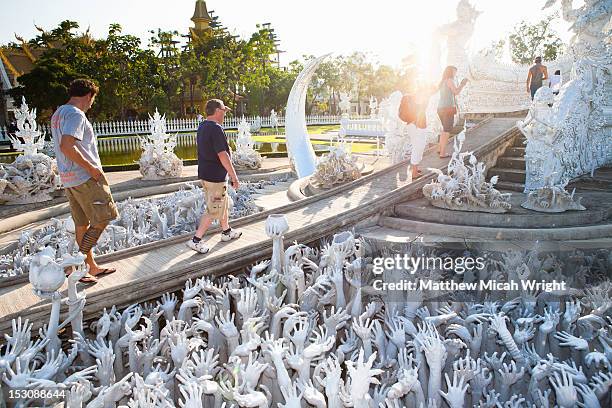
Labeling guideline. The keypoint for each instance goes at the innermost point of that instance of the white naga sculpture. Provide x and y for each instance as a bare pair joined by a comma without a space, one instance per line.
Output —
158,160
299,149
336,167
310,327
245,156
465,188
577,128
273,120
33,176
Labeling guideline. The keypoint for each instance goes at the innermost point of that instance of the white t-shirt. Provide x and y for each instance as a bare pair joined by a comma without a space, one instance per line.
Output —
70,120
555,83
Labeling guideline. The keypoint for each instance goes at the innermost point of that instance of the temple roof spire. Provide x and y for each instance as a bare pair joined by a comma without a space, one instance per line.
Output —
200,14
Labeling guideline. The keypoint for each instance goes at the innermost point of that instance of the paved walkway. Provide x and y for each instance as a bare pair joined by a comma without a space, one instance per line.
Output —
148,271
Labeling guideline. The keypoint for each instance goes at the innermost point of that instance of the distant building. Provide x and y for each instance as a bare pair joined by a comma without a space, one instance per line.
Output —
15,60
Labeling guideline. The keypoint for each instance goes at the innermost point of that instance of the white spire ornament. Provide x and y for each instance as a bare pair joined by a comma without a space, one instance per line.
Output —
158,160
245,156
33,176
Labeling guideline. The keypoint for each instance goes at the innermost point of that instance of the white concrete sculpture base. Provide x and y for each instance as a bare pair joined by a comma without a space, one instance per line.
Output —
158,160
552,198
336,167
465,187
245,156
33,176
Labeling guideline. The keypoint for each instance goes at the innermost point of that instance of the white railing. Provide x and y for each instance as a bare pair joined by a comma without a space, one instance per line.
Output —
362,128
139,127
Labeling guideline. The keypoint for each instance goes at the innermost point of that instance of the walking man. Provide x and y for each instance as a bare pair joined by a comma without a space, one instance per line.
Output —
75,144
538,73
214,165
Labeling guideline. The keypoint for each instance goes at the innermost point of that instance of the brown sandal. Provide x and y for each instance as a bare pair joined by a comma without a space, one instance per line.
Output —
88,278
106,271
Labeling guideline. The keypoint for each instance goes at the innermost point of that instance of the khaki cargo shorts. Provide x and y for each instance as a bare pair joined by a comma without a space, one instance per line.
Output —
217,204
92,203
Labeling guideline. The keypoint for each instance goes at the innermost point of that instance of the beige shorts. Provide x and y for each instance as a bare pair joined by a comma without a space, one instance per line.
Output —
217,204
92,203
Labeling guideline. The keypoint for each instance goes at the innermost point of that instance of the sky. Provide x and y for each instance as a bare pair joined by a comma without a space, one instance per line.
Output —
385,29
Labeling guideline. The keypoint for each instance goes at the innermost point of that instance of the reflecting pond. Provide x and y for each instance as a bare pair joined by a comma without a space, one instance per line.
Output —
126,150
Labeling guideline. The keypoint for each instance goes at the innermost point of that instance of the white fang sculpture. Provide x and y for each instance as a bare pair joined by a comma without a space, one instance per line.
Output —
299,148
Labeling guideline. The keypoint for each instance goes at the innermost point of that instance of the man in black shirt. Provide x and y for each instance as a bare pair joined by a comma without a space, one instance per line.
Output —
214,165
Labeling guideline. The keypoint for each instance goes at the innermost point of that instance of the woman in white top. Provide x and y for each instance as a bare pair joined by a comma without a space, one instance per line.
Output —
555,82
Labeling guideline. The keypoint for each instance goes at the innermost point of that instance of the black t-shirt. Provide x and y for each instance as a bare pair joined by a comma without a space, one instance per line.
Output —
211,140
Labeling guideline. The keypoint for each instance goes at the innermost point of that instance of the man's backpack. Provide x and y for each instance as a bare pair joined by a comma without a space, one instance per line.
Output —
408,109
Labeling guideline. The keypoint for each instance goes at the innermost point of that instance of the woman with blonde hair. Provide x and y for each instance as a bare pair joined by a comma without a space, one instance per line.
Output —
447,105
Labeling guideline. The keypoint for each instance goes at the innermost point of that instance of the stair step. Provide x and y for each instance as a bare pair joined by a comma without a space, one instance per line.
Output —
380,238
511,162
505,174
511,186
496,233
516,217
515,152
520,141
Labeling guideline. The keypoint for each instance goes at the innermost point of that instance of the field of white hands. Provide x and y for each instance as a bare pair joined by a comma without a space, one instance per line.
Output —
302,330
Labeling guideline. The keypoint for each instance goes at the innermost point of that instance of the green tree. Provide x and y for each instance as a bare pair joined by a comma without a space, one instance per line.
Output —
495,49
528,41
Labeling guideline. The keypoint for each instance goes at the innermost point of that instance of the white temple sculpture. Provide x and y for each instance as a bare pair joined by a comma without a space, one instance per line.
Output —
457,35
33,176
397,140
245,156
256,125
273,119
345,103
308,327
336,167
373,105
540,127
300,151
465,188
158,160
552,198
576,131
47,276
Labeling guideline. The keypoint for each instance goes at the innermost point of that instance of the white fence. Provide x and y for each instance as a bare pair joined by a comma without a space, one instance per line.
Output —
362,128
139,127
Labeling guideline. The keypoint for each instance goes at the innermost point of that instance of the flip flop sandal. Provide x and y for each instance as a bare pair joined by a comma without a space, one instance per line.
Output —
106,271
446,156
88,279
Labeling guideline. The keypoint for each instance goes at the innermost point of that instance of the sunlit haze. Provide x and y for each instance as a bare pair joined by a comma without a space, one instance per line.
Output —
386,29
